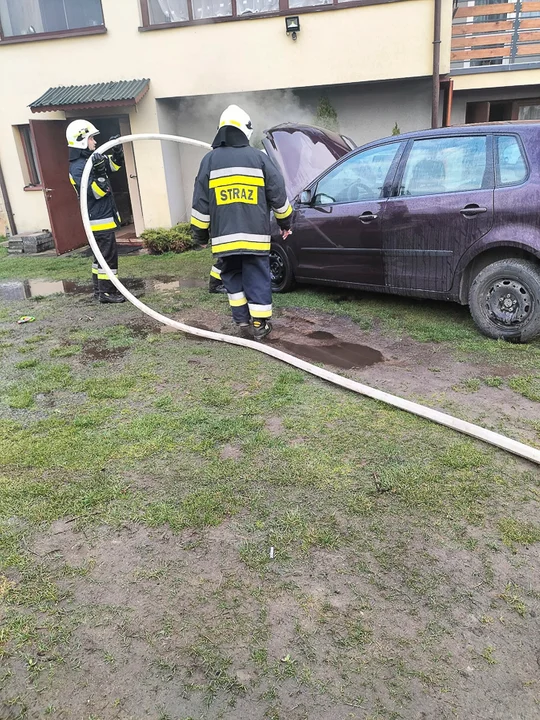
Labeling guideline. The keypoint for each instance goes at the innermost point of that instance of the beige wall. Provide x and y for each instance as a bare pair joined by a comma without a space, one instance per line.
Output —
365,112
378,42
499,79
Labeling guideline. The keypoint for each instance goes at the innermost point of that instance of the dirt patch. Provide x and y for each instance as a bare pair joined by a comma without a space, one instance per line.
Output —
96,350
423,372
177,625
231,452
274,425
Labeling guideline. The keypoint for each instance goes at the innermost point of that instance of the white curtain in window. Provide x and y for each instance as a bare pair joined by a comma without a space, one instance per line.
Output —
20,18
247,7
529,112
162,11
308,3
211,8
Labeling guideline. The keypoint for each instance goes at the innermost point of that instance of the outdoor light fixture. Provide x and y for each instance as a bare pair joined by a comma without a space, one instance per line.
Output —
292,25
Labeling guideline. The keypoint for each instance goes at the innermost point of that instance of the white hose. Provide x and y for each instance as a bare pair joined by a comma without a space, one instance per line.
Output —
462,426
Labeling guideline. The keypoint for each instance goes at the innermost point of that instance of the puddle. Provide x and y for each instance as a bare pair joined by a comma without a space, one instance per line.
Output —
343,355
14,290
161,283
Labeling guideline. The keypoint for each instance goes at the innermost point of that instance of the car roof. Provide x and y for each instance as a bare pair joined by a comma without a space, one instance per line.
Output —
526,126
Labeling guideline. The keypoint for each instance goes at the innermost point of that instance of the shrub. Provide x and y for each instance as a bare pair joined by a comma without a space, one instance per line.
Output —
161,240
326,116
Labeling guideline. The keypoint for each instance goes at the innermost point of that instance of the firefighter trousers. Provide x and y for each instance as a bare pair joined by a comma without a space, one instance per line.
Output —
249,286
106,242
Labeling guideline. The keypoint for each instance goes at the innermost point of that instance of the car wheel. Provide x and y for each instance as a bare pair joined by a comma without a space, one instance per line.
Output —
281,270
504,300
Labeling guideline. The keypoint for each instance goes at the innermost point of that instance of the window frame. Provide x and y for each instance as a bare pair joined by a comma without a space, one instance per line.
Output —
490,164
56,34
283,11
31,169
497,165
388,181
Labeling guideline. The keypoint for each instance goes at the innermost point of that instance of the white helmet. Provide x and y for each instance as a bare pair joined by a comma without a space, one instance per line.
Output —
236,117
78,132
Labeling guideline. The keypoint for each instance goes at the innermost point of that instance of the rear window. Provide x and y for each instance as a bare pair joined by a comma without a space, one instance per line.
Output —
511,164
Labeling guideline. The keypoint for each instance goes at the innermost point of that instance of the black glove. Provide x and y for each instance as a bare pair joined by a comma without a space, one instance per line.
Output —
117,152
100,164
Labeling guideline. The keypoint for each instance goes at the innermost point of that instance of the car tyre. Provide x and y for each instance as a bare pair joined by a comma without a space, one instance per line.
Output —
504,300
281,270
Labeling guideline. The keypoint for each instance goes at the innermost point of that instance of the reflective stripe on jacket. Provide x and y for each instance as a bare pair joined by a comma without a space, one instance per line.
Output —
235,189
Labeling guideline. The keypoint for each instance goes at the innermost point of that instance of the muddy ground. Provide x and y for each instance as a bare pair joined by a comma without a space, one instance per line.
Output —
410,615
428,373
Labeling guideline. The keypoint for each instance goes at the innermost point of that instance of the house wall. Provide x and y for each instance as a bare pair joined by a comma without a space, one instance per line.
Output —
496,79
371,43
365,112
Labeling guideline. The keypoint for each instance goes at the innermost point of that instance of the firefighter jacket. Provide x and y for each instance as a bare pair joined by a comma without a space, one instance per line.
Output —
235,190
101,206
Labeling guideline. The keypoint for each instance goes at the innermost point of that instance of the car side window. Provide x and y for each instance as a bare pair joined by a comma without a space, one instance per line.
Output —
444,165
359,178
511,165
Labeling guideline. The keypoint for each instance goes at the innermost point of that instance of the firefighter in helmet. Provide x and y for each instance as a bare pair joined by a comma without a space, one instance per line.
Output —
236,188
104,217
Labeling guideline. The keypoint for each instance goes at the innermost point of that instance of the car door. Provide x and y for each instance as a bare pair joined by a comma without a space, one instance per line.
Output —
442,203
337,234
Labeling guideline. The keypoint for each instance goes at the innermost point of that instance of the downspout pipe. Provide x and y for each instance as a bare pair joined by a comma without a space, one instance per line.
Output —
9,211
436,85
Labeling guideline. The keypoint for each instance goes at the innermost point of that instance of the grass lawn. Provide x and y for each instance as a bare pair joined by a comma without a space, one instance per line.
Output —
190,530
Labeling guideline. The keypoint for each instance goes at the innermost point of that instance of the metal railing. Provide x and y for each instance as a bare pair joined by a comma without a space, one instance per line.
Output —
495,33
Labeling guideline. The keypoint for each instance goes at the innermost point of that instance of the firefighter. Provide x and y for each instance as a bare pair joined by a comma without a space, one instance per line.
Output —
104,217
235,189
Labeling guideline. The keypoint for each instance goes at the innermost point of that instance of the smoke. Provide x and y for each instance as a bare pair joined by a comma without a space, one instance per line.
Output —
198,117
266,109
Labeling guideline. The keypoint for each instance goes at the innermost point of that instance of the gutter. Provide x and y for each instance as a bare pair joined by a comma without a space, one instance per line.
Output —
436,88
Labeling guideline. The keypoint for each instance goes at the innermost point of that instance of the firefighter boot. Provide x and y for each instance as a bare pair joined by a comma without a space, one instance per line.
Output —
261,328
95,283
111,298
108,293
216,286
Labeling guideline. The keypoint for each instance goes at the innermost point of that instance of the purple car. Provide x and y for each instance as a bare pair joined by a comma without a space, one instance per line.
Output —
449,214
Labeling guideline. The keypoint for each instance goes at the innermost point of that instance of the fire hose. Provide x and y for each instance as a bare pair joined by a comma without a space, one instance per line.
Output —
467,428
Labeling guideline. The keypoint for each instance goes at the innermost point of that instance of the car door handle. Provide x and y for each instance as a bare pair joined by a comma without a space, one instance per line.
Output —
367,217
472,210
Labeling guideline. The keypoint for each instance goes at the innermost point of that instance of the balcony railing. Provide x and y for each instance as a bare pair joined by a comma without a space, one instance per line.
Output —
488,32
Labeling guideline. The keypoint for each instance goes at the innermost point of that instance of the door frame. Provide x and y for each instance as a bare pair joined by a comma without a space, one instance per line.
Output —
132,177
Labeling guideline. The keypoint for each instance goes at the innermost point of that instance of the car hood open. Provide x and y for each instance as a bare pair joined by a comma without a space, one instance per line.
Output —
303,152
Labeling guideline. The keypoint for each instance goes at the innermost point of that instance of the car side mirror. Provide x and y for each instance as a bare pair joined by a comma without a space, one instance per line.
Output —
306,197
